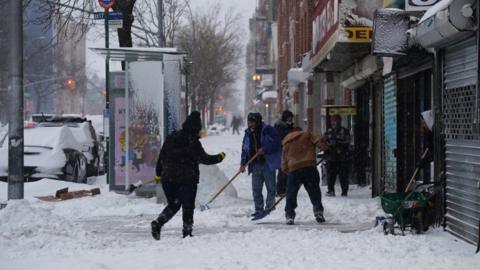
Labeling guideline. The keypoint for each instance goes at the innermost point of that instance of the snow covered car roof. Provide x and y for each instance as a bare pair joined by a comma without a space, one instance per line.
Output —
51,137
81,131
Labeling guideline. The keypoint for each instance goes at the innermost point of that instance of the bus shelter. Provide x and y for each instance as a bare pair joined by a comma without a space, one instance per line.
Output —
144,106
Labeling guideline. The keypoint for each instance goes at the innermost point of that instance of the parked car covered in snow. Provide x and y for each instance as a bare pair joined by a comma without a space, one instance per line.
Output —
49,152
86,137
85,133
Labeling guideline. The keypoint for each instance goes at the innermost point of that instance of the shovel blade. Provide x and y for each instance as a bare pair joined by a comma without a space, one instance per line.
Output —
204,207
260,215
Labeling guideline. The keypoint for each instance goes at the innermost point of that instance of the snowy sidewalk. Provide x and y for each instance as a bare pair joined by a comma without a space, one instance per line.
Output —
112,232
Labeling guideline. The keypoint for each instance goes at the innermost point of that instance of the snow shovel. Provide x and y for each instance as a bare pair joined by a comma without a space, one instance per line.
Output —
138,184
207,205
416,171
265,212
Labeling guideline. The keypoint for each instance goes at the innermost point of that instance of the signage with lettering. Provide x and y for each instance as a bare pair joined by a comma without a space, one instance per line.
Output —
419,5
324,24
357,34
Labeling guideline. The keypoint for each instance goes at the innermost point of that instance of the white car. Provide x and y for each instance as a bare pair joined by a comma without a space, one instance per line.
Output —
49,152
85,135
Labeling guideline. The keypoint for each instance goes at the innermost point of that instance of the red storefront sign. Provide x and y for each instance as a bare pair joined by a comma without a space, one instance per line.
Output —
325,23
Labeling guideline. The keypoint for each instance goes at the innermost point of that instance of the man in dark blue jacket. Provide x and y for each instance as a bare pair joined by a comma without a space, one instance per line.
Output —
262,139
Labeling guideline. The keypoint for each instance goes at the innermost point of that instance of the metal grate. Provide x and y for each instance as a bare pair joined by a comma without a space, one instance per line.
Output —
459,113
462,145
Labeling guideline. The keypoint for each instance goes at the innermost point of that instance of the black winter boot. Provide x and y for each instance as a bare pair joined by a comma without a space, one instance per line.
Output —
156,229
187,230
319,217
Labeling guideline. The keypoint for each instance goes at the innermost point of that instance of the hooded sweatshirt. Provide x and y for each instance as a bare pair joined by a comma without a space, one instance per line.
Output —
299,150
182,152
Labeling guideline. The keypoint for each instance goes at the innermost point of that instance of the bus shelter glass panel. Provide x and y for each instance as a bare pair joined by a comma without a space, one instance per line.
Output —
139,126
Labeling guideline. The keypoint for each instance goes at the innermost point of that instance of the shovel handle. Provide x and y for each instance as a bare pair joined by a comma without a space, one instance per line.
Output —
277,202
231,179
416,171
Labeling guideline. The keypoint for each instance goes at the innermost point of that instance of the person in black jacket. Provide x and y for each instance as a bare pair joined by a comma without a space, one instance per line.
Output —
177,167
338,155
284,125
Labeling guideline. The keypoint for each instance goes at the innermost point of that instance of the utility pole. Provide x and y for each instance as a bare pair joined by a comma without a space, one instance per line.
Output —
15,126
107,4
161,35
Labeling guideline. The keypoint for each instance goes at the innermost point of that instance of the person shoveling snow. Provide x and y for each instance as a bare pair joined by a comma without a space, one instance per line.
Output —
177,167
299,161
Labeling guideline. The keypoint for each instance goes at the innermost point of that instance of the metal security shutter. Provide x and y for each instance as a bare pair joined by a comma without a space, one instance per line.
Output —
462,145
390,133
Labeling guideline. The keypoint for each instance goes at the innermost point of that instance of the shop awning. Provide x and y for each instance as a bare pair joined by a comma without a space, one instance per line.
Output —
342,56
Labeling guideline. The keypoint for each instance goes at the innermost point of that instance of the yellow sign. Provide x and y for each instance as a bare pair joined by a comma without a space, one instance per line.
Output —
345,111
360,34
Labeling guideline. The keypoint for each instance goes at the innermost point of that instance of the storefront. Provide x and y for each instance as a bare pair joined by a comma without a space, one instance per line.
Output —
456,110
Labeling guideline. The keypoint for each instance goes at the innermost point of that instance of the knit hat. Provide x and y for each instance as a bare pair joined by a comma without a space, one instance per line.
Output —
193,123
255,117
286,114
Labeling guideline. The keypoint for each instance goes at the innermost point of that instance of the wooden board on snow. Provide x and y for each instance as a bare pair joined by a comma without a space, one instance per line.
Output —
63,194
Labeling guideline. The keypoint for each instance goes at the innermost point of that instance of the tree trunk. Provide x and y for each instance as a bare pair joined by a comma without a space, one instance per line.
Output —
125,33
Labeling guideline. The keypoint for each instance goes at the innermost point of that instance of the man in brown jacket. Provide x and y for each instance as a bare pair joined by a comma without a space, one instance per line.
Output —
299,162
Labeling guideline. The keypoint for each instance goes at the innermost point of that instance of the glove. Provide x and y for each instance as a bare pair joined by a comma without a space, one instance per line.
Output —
222,155
158,179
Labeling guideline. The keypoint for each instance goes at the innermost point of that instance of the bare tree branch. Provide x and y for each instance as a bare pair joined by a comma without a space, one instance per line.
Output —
212,41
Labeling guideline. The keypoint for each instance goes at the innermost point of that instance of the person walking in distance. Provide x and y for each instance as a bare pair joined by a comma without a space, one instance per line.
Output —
337,155
235,125
177,168
261,139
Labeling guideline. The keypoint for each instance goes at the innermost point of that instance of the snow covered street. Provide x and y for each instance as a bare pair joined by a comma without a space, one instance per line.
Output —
112,231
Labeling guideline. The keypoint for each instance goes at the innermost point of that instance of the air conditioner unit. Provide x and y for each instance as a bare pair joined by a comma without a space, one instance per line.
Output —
446,21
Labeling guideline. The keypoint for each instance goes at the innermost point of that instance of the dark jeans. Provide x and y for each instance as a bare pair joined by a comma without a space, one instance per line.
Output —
340,168
178,195
310,179
281,182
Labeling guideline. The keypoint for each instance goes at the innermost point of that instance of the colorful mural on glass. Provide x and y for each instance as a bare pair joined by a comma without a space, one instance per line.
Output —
144,142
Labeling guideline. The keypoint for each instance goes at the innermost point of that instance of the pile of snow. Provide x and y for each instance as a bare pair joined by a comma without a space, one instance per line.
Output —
212,179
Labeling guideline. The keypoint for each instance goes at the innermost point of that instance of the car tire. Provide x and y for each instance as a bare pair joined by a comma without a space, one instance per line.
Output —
81,169
75,169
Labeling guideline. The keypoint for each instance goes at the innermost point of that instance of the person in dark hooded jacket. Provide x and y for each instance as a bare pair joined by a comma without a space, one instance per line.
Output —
261,139
284,126
177,167
338,155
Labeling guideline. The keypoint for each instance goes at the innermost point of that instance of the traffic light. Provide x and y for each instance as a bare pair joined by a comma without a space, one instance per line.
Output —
70,84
